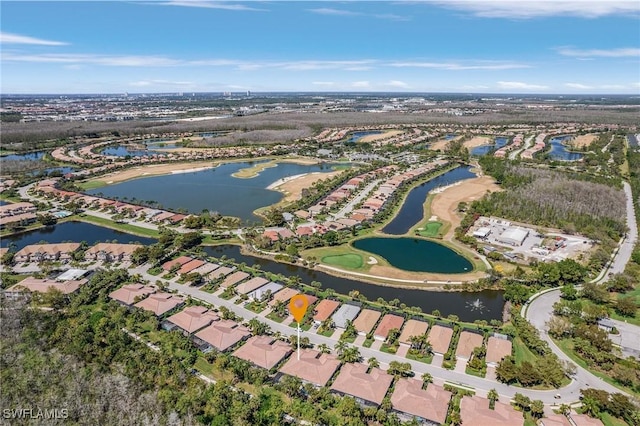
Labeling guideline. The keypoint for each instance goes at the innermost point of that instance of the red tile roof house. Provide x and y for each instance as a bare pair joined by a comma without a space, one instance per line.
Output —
190,266
42,252
365,322
160,303
324,310
555,420
387,323
191,319
221,335
263,351
37,285
467,343
108,252
412,328
584,420
313,367
182,260
475,411
131,293
233,279
497,349
430,405
220,272
368,388
440,338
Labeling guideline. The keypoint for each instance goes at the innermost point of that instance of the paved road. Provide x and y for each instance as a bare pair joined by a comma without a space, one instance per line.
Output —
528,142
628,339
344,211
623,255
539,311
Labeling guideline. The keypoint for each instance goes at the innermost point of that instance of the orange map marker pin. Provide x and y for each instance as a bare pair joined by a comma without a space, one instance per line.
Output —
298,305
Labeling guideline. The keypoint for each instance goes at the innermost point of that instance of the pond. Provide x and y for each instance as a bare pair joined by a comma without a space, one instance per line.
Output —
560,152
412,210
128,150
414,254
212,189
485,149
468,306
72,231
356,136
36,155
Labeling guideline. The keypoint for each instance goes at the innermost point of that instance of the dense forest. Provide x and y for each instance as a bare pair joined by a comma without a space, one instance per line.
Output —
556,199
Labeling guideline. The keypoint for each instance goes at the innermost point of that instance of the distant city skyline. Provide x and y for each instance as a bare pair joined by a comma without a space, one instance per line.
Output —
466,46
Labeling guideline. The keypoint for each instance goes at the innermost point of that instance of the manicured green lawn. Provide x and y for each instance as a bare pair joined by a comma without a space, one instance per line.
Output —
631,320
431,229
92,184
350,261
124,227
522,353
609,420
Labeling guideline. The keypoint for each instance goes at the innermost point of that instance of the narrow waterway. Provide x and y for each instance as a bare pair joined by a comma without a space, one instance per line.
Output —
412,211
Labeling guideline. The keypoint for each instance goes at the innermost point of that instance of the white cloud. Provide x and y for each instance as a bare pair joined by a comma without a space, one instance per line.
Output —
361,84
484,65
211,5
116,61
540,8
518,85
334,12
578,86
602,53
8,38
397,83
342,12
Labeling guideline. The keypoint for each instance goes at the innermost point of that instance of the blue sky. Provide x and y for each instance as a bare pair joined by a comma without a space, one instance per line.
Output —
582,46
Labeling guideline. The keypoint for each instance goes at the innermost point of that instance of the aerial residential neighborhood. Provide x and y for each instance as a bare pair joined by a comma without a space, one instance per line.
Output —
320,213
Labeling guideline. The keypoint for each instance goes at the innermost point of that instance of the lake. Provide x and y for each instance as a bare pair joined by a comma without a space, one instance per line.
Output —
560,152
485,149
458,303
212,189
415,254
72,231
412,210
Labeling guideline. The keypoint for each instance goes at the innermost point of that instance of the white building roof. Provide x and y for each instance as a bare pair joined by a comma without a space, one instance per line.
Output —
345,313
72,274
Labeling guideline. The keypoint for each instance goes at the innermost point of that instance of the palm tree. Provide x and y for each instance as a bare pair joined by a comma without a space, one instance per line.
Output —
373,363
426,379
493,397
350,354
323,348
340,347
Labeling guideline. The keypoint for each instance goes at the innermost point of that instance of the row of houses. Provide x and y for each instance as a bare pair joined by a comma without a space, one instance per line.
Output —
368,385
63,252
47,188
515,143
378,199
17,213
538,146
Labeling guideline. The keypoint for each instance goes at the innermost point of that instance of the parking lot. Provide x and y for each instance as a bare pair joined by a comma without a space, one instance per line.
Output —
523,243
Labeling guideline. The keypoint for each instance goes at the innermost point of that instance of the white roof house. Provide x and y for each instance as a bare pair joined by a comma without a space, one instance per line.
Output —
258,293
345,313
